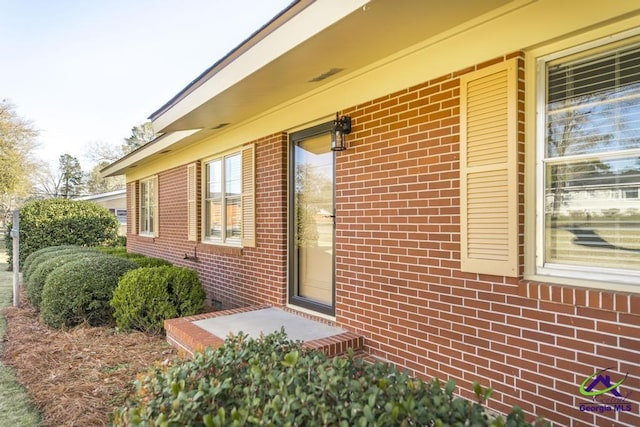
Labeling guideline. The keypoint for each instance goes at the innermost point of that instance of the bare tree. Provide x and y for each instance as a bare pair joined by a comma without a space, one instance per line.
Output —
95,183
67,181
48,183
102,152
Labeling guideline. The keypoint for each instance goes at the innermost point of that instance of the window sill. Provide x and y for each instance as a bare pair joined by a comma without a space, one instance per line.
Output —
219,248
146,237
582,283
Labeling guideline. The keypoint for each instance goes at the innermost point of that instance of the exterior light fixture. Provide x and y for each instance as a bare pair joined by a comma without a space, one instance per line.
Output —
341,127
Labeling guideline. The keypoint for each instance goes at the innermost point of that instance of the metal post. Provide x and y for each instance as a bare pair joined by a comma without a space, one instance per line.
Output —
15,235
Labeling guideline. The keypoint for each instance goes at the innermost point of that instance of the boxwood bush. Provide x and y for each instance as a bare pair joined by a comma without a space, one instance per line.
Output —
79,291
34,258
146,297
53,222
40,270
112,250
276,382
140,259
147,261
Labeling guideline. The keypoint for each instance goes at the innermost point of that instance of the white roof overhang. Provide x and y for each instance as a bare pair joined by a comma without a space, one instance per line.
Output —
307,46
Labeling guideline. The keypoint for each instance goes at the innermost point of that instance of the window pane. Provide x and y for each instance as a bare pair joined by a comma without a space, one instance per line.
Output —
150,221
213,200
592,216
214,179
150,192
146,207
233,175
594,105
213,218
143,220
234,217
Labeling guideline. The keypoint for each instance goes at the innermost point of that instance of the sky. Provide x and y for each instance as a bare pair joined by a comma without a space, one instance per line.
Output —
87,71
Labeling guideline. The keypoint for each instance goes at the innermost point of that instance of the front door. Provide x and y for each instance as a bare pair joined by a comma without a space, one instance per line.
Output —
312,220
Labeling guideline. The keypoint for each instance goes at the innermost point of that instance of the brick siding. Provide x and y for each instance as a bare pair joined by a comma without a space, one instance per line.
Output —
398,278
235,277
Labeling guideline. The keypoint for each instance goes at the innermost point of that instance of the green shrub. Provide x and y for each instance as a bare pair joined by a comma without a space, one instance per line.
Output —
54,222
79,291
46,265
146,297
34,258
147,261
274,381
140,259
121,241
112,250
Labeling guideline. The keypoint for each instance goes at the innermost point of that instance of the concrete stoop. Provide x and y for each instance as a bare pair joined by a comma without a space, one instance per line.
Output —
195,333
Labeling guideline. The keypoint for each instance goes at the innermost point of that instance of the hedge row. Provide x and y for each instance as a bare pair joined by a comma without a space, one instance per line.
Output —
141,260
71,285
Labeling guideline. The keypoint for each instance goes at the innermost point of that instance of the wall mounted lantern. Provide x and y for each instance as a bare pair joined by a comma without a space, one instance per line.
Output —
341,127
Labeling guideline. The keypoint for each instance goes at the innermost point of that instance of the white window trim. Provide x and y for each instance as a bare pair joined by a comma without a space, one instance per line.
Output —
229,242
602,278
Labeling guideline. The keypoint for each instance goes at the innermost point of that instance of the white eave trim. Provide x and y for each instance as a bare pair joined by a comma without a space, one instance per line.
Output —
304,25
156,146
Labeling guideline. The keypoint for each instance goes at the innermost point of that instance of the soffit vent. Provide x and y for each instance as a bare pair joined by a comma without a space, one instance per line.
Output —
326,75
220,126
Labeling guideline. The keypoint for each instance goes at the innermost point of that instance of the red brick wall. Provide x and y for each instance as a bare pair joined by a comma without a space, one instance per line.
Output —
399,283
398,257
236,277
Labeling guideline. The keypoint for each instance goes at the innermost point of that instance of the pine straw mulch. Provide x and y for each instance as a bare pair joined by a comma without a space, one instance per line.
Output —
78,376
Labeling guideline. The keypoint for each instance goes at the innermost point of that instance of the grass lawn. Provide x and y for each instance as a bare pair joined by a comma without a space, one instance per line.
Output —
16,408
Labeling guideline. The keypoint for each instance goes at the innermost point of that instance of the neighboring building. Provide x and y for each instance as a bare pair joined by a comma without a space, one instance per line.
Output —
443,233
116,202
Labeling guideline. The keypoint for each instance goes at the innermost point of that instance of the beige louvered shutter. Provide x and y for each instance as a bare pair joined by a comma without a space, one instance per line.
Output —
489,171
248,196
156,207
192,213
132,216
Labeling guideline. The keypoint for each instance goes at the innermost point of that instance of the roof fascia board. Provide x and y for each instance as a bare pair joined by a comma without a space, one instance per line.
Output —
313,19
293,8
157,145
105,197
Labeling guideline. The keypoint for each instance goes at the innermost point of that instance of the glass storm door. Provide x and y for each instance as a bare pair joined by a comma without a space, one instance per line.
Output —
312,220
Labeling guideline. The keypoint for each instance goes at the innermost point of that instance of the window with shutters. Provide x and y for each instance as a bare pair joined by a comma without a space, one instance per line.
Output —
488,170
589,163
229,199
